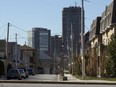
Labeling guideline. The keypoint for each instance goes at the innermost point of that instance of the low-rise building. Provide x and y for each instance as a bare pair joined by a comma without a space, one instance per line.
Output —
29,58
108,22
95,40
100,33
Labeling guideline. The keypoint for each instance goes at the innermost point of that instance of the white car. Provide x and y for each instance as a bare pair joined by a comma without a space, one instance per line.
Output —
22,72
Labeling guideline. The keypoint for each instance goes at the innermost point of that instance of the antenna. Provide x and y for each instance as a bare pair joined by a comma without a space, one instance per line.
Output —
75,4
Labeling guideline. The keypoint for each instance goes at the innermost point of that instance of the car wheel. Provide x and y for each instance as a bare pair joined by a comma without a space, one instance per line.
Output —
20,78
8,78
27,76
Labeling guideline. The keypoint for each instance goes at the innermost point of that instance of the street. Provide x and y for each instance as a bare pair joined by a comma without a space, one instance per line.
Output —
51,80
50,85
42,77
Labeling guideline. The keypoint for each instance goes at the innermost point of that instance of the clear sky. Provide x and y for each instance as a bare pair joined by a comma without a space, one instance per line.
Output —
26,14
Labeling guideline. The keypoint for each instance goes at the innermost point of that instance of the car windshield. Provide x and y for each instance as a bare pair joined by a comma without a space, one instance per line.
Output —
13,71
21,71
29,69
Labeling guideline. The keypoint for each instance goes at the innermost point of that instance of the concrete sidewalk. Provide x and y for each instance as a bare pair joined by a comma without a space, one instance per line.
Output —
2,78
71,78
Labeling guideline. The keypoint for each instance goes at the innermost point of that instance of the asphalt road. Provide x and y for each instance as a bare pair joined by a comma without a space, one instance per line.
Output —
42,77
46,80
50,85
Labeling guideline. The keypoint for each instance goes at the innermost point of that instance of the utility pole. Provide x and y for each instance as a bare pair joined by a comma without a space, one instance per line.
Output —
16,58
82,40
6,62
25,58
72,62
54,60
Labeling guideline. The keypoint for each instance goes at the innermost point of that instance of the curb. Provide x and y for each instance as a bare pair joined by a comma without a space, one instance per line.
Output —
57,82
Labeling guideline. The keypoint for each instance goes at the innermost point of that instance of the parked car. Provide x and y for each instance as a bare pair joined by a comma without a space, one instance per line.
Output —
22,72
27,75
14,74
30,71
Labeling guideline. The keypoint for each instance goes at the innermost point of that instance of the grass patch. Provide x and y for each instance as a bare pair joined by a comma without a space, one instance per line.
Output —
95,78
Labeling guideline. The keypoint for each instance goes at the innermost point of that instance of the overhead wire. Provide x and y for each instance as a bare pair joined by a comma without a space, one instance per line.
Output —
18,28
95,3
3,31
3,26
22,37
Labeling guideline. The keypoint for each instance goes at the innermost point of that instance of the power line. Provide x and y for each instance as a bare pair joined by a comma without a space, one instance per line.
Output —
18,38
18,28
87,0
87,28
3,33
22,37
3,26
4,30
94,2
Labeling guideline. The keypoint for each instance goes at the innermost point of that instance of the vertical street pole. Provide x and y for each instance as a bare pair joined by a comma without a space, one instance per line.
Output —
69,57
25,58
72,62
54,60
16,50
62,61
98,65
82,40
6,62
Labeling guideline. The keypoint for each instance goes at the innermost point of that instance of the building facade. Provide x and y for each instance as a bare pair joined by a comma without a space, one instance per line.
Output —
108,22
95,43
39,38
56,44
102,28
71,28
29,58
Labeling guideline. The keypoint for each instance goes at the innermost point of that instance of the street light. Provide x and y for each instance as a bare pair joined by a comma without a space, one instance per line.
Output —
82,40
6,61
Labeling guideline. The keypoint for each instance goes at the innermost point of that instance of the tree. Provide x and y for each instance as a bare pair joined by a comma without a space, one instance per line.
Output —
111,57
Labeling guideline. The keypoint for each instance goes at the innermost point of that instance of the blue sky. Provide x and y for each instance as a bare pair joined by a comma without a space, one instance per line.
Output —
26,14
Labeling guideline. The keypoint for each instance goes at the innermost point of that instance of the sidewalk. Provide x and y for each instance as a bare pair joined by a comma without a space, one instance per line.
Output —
2,78
74,79
71,78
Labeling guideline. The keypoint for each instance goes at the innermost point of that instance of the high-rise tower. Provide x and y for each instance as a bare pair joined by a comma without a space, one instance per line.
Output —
71,22
39,38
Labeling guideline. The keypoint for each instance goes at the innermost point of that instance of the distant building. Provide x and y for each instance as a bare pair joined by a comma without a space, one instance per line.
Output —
30,37
56,44
29,58
2,49
71,21
2,56
39,38
13,56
